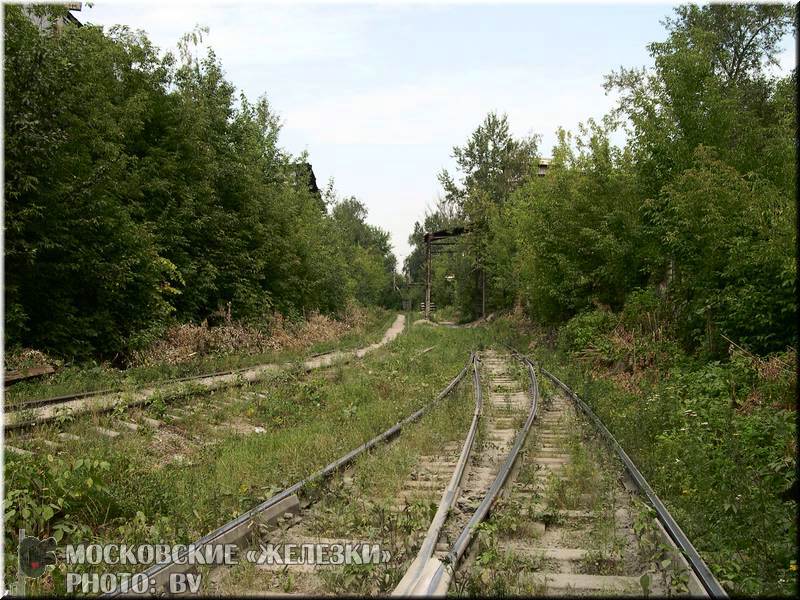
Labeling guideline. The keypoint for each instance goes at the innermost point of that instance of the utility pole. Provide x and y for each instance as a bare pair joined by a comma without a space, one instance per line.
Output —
20,591
483,293
427,277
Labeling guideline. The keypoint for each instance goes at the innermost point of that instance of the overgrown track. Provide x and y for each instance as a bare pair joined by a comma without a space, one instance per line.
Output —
418,569
32,412
467,479
557,525
248,528
526,502
582,535
28,404
701,580
572,523
490,469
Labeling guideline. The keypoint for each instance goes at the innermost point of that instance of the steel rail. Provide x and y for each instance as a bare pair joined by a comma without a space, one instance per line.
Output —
416,571
704,574
345,355
319,475
28,404
440,580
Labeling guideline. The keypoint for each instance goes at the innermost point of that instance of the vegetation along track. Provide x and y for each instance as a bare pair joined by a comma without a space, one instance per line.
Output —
284,516
492,461
48,409
572,523
561,519
465,479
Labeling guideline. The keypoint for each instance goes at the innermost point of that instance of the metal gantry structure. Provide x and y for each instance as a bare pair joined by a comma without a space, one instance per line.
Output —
437,240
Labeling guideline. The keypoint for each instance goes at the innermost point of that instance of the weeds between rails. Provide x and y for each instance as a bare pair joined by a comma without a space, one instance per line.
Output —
208,461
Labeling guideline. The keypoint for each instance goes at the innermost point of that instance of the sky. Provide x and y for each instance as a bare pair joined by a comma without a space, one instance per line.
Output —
378,94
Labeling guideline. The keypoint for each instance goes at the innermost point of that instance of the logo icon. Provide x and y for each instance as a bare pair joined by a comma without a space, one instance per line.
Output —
35,555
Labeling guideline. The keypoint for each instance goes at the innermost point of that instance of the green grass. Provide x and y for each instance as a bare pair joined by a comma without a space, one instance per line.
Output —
141,491
362,510
720,470
446,313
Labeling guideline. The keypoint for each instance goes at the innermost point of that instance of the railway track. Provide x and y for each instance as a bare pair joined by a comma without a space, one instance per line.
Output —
561,527
279,512
463,479
675,554
507,419
25,414
529,503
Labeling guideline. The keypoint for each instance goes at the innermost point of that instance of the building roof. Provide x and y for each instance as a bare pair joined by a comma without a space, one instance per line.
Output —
47,23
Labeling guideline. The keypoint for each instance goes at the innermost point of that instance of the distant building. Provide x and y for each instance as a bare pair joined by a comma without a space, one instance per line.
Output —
46,22
312,181
304,178
544,164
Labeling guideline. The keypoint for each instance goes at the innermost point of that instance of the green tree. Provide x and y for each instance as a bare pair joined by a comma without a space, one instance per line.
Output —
577,231
711,86
371,262
733,239
81,273
141,189
711,95
492,164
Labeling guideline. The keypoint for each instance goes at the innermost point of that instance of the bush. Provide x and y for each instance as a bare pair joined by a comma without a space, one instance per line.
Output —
585,329
732,239
721,462
52,496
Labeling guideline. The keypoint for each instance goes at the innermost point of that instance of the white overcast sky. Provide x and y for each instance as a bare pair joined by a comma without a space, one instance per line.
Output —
378,94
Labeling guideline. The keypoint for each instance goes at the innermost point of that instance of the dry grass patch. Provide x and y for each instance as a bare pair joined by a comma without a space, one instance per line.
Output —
182,343
167,444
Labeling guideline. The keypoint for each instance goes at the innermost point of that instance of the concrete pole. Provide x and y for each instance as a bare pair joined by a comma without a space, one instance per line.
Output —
428,279
483,293
20,574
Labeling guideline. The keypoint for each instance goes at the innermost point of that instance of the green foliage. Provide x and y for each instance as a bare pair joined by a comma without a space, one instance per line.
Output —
140,189
492,164
715,439
698,208
584,329
720,469
54,496
733,256
579,231
75,254
711,86
659,258
370,263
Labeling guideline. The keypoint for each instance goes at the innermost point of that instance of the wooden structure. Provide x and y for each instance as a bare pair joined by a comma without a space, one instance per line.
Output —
20,374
